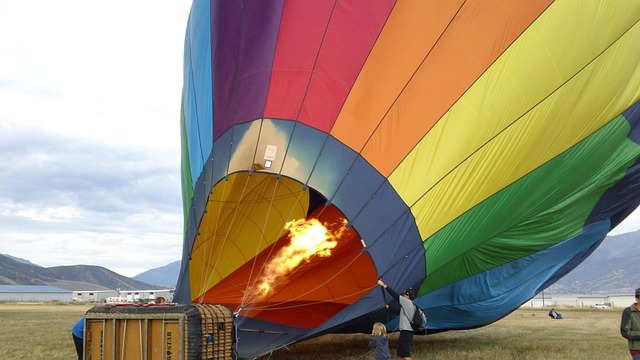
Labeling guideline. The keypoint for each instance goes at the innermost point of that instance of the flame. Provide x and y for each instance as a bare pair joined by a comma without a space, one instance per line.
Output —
308,238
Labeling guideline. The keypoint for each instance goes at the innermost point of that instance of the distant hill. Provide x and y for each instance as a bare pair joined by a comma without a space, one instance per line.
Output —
613,268
166,276
76,277
20,260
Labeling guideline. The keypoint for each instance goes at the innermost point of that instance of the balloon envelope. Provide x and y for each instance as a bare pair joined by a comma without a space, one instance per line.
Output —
476,151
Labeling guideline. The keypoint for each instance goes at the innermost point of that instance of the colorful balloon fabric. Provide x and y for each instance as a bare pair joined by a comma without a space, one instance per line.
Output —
476,151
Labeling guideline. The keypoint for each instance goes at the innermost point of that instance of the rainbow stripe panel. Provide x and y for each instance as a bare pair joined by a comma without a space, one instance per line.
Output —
477,151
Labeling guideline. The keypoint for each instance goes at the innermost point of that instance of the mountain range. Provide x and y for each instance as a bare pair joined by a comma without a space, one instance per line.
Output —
613,268
15,271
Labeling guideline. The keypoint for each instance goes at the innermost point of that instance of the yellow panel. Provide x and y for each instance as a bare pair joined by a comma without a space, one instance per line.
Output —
462,44
244,215
541,61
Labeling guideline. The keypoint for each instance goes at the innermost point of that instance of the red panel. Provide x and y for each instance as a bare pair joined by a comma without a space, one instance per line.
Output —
320,51
302,28
354,28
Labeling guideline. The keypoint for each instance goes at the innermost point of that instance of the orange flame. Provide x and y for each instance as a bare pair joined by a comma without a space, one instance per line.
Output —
308,238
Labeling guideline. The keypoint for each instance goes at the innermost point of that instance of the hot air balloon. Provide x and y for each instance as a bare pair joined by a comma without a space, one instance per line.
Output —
476,151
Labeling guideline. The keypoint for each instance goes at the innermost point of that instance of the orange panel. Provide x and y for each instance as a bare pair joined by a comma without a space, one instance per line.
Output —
412,29
455,54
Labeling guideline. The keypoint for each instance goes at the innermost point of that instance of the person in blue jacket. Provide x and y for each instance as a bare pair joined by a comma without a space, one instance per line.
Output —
379,342
78,337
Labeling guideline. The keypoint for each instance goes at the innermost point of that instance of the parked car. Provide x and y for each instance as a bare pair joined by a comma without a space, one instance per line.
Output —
601,306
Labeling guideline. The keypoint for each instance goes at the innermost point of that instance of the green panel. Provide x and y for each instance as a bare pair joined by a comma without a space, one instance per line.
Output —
187,180
541,209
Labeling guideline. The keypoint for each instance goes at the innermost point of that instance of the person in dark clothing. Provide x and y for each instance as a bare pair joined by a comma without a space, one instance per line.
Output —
379,342
404,324
78,337
630,326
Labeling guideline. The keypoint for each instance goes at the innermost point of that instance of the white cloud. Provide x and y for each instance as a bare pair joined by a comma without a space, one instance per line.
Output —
90,132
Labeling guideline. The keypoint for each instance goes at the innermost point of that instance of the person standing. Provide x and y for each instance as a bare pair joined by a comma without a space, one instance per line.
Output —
78,337
379,342
630,327
404,325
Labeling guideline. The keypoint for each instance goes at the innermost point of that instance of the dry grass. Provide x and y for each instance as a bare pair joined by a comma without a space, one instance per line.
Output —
43,331
38,331
525,334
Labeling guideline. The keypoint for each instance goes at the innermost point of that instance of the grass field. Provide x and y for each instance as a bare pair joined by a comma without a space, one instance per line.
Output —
43,331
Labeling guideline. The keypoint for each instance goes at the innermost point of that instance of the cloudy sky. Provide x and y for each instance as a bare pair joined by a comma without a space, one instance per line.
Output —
89,132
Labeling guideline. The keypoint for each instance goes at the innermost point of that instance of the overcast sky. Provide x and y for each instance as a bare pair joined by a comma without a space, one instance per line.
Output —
90,132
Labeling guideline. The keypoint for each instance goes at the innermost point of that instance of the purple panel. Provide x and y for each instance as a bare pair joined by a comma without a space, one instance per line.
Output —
243,41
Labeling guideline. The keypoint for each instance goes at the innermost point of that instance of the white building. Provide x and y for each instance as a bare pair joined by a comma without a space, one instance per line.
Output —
122,296
588,301
93,295
135,296
33,293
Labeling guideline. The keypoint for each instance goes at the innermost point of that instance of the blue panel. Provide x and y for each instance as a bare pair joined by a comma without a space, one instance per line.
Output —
303,152
491,295
358,188
398,253
354,313
219,160
243,143
257,337
278,133
384,209
334,162
182,292
632,115
197,75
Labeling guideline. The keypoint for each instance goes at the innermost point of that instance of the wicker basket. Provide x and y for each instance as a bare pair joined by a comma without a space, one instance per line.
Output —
195,331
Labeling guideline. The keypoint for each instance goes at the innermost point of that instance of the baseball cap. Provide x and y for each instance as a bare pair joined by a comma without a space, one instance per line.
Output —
637,292
413,294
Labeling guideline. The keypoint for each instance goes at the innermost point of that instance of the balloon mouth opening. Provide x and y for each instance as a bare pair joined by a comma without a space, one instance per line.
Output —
262,272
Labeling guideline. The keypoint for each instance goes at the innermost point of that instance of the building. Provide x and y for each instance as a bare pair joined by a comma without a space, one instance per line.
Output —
34,293
93,295
121,296
134,296
588,301
40,293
